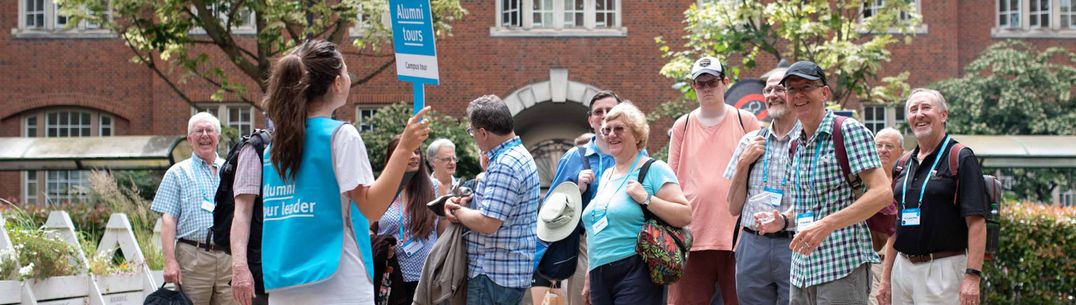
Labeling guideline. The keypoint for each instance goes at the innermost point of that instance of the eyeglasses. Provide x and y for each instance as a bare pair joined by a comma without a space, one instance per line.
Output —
774,89
712,83
470,131
885,146
609,130
204,131
446,159
802,89
600,111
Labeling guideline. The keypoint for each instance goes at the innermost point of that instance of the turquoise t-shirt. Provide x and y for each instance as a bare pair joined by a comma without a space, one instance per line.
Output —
617,240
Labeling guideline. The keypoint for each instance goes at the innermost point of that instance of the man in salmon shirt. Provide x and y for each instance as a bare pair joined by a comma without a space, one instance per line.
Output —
702,145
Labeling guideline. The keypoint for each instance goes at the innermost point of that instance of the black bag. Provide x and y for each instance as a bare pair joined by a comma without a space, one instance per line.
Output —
221,231
165,296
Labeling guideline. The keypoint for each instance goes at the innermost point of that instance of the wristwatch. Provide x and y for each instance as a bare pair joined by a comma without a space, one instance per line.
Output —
646,203
974,272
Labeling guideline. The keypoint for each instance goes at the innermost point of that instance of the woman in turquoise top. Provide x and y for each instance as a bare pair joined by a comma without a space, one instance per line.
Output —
614,217
317,184
415,226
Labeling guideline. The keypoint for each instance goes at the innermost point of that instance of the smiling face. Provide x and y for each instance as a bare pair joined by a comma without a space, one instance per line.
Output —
889,148
776,104
598,109
415,162
203,139
926,115
620,137
807,97
445,160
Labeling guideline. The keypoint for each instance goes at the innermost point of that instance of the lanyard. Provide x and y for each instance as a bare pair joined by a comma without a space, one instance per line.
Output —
814,170
403,213
904,191
511,143
766,163
605,206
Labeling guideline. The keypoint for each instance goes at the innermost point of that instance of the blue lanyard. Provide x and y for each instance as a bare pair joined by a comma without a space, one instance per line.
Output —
814,170
605,206
766,163
511,143
402,217
904,191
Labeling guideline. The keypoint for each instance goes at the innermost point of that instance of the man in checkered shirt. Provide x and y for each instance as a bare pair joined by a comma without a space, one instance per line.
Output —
503,216
832,249
185,201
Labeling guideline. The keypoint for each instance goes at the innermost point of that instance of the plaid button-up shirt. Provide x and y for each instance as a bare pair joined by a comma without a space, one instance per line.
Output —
777,153
817,186
509,192
181,193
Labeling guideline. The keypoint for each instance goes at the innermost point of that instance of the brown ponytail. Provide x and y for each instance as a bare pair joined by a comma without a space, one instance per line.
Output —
299,78
419,191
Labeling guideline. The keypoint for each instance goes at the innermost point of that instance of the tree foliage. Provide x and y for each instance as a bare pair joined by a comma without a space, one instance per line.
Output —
181,40
1014,89
835,36
389,122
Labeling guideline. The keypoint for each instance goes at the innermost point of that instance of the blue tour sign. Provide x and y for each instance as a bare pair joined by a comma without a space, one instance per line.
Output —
413,41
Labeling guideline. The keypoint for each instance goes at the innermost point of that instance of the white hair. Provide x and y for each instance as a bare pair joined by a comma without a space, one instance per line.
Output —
431,152
203,117
891,130
934,94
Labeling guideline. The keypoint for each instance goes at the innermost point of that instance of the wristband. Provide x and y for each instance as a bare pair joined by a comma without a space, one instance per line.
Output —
783,217
974,272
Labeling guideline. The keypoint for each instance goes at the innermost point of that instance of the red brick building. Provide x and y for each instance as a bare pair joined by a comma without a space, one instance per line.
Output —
544,57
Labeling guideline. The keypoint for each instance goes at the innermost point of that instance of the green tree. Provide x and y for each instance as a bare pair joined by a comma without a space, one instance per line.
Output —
835,35
180,40
389,122
1014,89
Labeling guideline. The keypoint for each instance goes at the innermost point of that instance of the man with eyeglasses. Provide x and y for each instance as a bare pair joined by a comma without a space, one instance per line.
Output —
889,143
701,145
185,201
832,247
581,165
758,193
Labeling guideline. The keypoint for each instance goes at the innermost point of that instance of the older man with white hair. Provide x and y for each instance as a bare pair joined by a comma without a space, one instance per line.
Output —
185,201
442,157
937,252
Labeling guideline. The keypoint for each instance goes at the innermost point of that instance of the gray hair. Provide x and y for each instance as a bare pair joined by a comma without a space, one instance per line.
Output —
203,117
431,152
891,130
937,96
491,113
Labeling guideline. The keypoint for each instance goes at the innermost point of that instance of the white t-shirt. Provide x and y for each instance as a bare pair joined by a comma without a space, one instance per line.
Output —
350,284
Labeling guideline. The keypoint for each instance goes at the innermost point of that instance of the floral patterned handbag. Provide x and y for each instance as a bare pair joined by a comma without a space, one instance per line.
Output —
663,247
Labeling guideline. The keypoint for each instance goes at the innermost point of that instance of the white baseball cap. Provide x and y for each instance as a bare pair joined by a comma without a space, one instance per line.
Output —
707,65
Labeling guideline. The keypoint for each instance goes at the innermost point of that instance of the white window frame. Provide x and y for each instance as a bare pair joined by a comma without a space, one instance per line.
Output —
1036,13
526,28
29,194
875,5
70,125
248,28
101,126
1067,15
363,23
82,181
1067,198
889,118
52,29
1024,29
37,191
223,113
360,121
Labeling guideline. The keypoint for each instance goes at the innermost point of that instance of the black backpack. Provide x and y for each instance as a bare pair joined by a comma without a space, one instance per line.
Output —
221,231
559,260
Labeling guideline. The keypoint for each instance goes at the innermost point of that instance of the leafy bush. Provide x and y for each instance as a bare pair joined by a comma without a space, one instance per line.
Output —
7,265
43,254
390,121
1034,263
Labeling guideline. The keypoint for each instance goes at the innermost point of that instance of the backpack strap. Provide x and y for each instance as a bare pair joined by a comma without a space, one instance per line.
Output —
647,215
739,115
838,147
954,167
582,153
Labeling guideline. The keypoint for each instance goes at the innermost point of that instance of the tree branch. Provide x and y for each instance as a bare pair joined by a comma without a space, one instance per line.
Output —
363,80
223,38
152,65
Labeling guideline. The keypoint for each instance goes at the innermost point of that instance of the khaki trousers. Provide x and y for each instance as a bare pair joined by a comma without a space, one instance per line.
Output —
205,275
934,282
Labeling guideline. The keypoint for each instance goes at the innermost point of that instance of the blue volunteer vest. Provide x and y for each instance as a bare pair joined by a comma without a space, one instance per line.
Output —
303,226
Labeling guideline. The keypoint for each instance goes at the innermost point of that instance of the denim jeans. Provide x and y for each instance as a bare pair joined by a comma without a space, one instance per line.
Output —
626,281
483,291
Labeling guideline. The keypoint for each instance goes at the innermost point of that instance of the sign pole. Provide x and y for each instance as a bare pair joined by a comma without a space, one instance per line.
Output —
419,93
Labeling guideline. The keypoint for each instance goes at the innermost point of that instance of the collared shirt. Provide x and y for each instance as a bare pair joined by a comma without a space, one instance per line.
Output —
570,165
509,192
183,190
942,224
817,186
777,153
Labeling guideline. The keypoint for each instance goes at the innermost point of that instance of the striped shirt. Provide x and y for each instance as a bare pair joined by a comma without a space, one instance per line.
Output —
509,192
183,190
817,186
777,153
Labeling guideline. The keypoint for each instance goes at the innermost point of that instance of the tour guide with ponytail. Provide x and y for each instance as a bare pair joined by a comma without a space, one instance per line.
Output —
318,186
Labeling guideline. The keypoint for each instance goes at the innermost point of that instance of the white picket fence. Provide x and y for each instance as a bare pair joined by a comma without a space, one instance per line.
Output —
85,288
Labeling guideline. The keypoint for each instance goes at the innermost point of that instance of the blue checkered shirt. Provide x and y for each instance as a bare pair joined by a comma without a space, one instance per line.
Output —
509,192
818,187
184,187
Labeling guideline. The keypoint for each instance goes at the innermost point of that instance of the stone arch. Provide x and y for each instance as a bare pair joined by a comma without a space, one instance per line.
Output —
80,100
558,89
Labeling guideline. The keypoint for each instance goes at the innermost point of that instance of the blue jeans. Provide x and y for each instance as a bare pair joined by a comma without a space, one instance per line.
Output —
483,291
626,281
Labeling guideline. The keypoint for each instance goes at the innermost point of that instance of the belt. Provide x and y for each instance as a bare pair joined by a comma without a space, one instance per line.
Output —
202,245
919,259
781,234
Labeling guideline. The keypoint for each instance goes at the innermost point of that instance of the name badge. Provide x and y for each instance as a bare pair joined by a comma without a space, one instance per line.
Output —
600,225
411,247
208,204
775,196
909,217
804,221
